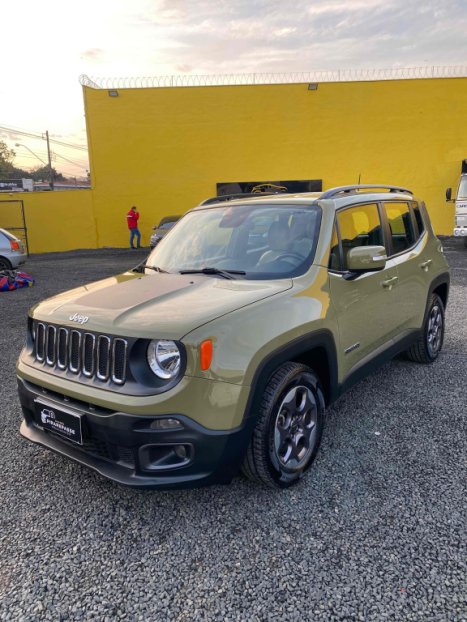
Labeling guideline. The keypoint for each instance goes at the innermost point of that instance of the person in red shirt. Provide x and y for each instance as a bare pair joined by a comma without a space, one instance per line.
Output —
132,218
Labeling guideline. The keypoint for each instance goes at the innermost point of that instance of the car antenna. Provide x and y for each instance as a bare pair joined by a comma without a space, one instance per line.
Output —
359,177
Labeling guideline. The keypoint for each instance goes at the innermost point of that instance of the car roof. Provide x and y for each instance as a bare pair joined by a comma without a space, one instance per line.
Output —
337,201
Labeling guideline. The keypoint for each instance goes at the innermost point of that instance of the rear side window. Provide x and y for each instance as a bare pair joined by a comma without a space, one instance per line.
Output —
359,226
400,225
418,218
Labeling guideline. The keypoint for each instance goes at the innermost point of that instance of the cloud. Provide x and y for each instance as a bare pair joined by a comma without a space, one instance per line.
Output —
184,68
241,36
9,135
93,55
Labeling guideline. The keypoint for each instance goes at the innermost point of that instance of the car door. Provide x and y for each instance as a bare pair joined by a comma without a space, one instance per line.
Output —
408,250
366,307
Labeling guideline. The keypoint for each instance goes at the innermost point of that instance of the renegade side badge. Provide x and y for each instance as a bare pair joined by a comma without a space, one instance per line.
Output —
354,347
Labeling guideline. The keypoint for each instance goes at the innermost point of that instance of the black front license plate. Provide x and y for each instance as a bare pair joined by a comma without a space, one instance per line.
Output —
63,422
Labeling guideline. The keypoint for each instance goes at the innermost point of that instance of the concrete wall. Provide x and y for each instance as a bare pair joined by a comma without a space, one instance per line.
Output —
164,149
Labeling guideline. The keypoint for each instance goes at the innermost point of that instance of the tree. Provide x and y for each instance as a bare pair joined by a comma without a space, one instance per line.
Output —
19,173
6,158
42,172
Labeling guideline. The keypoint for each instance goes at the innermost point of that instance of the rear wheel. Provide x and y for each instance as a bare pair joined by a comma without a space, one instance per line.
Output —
426,350
289,428
4,264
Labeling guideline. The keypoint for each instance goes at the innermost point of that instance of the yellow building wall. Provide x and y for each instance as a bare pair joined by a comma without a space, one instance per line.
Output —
164,149
57,221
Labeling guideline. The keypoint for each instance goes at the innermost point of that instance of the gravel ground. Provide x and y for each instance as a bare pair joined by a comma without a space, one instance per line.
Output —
378,530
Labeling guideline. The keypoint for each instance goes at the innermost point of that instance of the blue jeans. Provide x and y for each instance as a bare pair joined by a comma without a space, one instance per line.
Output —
134,232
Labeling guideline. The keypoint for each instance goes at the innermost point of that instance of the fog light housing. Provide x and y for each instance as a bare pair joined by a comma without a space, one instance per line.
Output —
180,450
166,424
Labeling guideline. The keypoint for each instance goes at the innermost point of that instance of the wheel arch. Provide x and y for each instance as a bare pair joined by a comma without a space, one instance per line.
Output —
440,285
317,350
7,261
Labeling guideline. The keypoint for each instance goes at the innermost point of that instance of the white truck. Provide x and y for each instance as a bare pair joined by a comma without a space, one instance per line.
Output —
460,229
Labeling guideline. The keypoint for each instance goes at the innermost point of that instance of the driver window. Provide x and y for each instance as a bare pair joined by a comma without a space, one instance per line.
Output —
359,226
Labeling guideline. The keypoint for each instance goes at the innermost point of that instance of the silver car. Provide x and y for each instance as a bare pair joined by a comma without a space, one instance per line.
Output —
162,228
12,253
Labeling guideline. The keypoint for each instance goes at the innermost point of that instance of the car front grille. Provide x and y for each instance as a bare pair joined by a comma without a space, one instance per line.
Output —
102,449
98,356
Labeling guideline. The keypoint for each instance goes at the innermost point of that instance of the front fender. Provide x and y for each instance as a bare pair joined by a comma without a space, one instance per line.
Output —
245,338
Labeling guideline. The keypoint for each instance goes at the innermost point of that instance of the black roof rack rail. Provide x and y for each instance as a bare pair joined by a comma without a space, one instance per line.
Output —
235,197
345,189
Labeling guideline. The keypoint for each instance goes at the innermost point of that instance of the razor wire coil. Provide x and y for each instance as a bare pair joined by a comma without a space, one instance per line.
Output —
347,75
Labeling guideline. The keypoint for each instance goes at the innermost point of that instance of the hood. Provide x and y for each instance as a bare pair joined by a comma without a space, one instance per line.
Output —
153,305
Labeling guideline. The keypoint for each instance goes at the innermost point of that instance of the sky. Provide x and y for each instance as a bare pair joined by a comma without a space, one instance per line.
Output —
48,45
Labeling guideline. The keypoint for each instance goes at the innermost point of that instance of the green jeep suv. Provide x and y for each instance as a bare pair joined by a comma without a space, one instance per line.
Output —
224,349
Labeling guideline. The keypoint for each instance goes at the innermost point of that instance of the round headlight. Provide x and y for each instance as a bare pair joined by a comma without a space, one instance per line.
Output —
164,358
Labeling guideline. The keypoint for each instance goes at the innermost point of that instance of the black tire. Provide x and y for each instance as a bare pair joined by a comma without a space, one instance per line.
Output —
426,350
5,264
266,457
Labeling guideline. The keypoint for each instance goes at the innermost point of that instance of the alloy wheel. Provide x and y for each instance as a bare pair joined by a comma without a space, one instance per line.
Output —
435,329
295,429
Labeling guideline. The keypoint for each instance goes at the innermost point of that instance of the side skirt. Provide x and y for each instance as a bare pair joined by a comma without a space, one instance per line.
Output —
379,357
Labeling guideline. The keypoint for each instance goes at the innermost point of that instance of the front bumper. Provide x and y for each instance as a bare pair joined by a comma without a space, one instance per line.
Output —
122,447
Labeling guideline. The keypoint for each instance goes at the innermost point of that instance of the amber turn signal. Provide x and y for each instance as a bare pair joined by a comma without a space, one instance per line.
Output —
206,355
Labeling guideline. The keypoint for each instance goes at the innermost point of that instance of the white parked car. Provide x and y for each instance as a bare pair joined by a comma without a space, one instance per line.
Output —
12,253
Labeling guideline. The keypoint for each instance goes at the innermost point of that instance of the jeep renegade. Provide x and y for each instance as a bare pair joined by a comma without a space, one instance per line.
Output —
222,351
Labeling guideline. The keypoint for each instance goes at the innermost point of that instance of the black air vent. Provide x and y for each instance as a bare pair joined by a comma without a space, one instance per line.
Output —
62,349
119,361
75,342
40,338
51,345
88,354
103,357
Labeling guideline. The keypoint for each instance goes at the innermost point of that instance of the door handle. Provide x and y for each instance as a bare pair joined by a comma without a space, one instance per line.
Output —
390,282
426,264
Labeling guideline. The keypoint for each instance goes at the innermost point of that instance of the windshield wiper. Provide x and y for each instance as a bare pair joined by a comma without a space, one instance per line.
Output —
227,274
156,268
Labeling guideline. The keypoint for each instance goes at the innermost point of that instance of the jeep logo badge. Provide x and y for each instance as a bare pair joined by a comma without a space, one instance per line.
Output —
82,319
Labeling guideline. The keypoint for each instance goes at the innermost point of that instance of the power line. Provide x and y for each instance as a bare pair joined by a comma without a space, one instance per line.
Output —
40,137
82,164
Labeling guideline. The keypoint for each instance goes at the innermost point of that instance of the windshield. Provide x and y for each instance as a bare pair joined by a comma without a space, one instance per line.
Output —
264,241
462,191
168,225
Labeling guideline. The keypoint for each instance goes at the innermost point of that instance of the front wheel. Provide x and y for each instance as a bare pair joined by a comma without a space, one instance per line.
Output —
426,350
289,428
4,264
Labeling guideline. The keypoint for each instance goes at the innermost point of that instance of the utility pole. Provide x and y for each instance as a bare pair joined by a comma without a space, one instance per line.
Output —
50,162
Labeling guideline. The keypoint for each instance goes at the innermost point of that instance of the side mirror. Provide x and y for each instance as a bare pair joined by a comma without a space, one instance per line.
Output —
448,194
365,259
155,227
